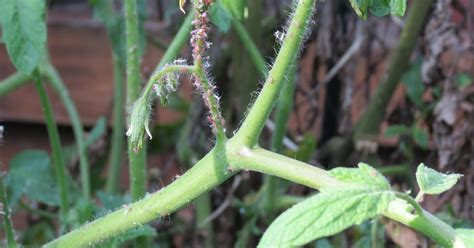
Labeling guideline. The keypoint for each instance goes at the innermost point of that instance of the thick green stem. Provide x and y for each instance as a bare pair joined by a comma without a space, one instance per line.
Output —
6,216
57,156
137,159
274,164
13,82
282,113
56,81
370,122
205,175
253,124
118,138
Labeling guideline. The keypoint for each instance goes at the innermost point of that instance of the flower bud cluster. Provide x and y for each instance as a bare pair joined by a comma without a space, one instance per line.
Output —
139,122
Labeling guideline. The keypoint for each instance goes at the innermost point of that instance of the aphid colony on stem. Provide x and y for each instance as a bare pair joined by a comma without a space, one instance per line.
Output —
166,79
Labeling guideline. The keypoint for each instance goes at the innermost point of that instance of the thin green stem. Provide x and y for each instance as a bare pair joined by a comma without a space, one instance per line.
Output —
6,213
13,82
250,46
425,223
137,159
370,122
118,139
203,210
155,78
410,200
253,124
58,84
199,45
180,39
55,142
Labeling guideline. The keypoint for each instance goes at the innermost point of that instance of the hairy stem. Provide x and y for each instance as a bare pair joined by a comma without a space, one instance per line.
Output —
117,140
13,82
137,159
55,143
200,45
6,216
284,106
253,124
209,172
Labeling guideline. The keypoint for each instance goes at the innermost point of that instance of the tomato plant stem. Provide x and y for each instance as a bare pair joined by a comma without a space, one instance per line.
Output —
250,46
253,124
6,216
13,82
373,116
56,81
137,159
57,156
117,141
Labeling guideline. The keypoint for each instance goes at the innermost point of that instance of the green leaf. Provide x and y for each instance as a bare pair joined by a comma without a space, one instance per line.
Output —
30,174
466,236
24,32
432,182
365,176
325,214
395,130
379,7
398,7
463,80
220,17
357,9
420,136
235,7
413,83
97,131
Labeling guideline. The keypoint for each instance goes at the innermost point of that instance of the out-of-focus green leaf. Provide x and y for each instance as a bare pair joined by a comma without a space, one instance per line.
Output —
112,201
420,136
395,130
220,17
80,213
323,243
24,32
463,80
30,174
236,7
432,182
325,214
414,85
97,131
379,7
